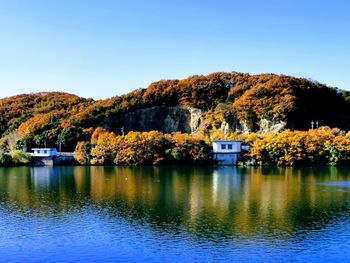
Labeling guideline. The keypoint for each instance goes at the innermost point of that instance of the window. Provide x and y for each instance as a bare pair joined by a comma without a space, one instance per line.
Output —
223,146
229,146
45,152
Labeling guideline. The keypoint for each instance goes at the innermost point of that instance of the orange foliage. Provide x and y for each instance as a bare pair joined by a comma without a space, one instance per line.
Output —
321,146
147,148
225,98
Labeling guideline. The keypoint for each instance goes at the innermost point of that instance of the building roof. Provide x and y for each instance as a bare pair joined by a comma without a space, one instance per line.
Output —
227,141
47,149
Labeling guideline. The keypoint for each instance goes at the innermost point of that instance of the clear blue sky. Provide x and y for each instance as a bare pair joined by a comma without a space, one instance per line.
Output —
105,48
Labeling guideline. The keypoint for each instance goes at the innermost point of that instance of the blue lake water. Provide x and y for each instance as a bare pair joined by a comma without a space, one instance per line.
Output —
174,214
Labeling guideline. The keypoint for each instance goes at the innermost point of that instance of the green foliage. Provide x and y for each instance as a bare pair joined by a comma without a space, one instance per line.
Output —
19,145
19,157
69,136
5,159
41,139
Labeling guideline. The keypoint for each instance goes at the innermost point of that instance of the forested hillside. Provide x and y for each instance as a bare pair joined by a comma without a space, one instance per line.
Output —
232,101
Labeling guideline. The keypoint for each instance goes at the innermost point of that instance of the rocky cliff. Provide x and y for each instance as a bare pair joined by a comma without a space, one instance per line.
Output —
160,118
183,119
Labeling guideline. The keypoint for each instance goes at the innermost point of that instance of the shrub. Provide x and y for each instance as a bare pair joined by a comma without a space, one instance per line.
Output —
20,157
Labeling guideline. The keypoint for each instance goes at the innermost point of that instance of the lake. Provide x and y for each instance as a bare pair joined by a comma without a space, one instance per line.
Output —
174,214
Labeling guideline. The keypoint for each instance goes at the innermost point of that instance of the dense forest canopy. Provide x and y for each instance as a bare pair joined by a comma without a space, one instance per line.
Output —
53,118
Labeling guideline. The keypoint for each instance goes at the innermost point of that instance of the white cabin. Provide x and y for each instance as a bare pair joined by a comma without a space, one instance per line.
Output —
227,152
44,152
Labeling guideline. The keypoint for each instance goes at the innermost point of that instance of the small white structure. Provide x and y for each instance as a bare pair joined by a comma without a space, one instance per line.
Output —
44,152
227,152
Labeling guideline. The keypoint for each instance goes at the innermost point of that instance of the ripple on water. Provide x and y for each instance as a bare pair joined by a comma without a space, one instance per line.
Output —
184,215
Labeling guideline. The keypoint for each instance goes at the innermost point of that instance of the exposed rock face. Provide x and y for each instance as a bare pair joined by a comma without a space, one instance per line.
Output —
162,118
266,126
225,127
182,119
196,118
243,128
263,126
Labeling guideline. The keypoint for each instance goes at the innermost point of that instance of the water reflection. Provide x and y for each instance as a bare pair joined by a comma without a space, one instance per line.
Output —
206,202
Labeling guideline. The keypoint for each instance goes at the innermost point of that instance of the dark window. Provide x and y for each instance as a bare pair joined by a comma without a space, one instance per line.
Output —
45,152
223,146
229,146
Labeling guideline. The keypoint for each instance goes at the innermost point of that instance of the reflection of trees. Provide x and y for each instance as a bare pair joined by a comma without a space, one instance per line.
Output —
223,201
43,190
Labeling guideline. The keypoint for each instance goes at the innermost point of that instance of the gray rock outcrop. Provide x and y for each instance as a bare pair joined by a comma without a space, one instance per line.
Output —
162,118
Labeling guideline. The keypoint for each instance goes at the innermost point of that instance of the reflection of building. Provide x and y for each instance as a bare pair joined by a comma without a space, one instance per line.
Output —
227,152
226,183
44,152
43,177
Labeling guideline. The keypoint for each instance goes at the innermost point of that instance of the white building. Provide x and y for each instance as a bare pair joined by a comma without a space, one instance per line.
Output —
227,152
44,152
